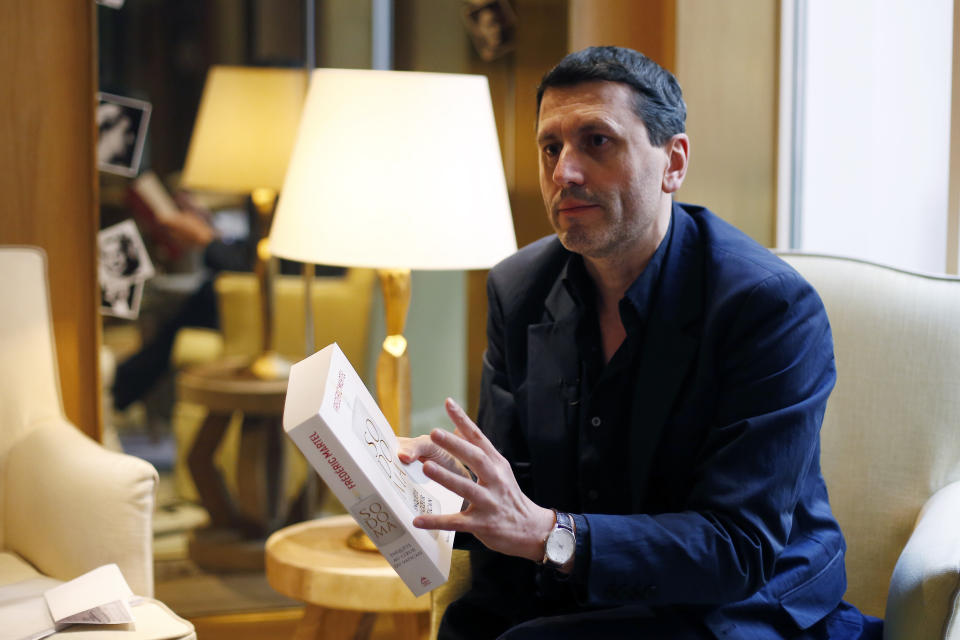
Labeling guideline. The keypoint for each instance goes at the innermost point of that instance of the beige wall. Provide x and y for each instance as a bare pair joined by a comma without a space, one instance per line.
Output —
727,64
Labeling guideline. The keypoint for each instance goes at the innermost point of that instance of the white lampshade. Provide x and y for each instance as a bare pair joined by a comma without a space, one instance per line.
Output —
245,129
395,169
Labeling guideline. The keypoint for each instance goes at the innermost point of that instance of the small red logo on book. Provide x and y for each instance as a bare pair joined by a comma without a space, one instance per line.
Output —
424,581
338,392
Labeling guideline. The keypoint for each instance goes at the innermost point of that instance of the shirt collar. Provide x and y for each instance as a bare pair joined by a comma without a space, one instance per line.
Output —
639,294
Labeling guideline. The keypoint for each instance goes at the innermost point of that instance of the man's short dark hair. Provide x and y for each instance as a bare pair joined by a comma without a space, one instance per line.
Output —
658,98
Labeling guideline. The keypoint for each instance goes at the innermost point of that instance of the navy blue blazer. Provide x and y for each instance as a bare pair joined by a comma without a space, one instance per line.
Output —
729,517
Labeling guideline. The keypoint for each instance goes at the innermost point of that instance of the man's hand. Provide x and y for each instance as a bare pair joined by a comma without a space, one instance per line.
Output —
188,229
499,514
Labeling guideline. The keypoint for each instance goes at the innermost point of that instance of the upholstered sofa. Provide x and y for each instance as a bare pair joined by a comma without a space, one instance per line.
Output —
67,505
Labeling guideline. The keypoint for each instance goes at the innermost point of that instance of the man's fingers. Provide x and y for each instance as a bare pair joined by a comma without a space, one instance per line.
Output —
449,522
460,485
411,449
466,427
469,454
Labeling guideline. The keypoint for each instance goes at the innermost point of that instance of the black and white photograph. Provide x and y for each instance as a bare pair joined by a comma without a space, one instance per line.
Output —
123,267
121,298
122,124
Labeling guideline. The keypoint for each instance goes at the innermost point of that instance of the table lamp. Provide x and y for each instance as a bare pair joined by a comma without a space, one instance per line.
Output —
395,170
241,143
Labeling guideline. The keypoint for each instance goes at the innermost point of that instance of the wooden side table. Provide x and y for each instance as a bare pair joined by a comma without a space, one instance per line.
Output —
239,525
344,589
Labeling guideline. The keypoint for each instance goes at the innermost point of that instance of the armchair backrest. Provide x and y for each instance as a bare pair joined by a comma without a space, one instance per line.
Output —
341,312
891,434
29,383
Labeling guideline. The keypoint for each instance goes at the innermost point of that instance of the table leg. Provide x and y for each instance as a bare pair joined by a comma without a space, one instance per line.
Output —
320,623
305,503
411,626
262,472
210,485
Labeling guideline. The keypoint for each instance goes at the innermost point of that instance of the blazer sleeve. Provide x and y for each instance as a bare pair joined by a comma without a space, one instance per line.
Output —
774,371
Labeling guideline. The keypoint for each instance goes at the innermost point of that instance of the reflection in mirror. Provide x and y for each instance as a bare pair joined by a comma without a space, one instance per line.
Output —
225,480
226,477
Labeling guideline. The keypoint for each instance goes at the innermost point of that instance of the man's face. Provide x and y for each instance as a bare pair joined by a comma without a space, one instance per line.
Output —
601,179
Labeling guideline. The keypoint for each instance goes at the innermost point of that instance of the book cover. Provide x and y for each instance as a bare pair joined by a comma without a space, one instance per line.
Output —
332,418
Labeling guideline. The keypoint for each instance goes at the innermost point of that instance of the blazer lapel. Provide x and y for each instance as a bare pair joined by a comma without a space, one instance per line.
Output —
669,346
552,383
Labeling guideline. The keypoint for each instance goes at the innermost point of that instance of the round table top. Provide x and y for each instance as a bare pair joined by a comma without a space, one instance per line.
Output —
311,562
229,385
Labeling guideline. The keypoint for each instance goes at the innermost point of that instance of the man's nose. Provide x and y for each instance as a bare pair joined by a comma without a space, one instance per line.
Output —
569,169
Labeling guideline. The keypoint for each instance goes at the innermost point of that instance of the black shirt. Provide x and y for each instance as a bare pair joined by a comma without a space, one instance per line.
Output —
605,395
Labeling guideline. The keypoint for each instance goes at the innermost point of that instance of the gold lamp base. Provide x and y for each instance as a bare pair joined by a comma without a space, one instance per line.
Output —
393,369
360,541
270,365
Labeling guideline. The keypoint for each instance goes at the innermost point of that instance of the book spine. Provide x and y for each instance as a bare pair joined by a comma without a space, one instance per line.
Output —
334,465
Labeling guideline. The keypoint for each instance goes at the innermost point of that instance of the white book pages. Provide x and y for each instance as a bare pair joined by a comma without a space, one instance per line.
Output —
100,596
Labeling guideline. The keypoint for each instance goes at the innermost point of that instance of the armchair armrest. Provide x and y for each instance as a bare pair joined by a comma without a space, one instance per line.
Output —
72,505
924,597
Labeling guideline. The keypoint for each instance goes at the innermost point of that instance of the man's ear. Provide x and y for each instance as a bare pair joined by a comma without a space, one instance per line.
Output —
678,158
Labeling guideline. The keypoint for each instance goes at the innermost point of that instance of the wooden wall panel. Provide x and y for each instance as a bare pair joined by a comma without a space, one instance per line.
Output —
541,40
48,175
649,26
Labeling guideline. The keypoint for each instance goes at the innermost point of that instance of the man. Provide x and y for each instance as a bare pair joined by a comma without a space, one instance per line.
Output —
656,374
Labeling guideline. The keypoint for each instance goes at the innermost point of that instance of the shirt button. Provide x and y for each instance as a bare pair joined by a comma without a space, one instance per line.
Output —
595,421
593,494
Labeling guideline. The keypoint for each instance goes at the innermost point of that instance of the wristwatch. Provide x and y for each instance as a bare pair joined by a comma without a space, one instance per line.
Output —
561,542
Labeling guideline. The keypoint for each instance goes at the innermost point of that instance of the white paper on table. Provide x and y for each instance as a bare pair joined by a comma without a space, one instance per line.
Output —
101,596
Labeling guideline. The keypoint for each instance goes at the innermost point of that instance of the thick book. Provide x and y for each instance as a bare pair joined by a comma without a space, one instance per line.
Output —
332,418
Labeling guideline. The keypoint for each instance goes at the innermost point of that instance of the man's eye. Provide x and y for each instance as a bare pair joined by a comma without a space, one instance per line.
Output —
551,150
598,140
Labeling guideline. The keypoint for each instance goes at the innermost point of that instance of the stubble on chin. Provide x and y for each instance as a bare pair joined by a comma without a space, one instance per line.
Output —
577,235
592,241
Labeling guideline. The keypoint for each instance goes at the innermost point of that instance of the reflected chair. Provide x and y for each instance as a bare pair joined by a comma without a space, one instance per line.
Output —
341,307
67,505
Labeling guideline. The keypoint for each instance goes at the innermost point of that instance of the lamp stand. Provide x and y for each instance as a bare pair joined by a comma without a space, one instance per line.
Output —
269,365
393,368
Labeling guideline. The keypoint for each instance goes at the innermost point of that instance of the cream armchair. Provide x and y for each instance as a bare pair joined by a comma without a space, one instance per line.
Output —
67,505
890,444
891,440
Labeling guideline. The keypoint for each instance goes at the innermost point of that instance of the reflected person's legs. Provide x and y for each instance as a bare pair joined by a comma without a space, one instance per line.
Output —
140,372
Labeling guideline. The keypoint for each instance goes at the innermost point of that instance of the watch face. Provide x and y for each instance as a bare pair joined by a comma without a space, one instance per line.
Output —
561,544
